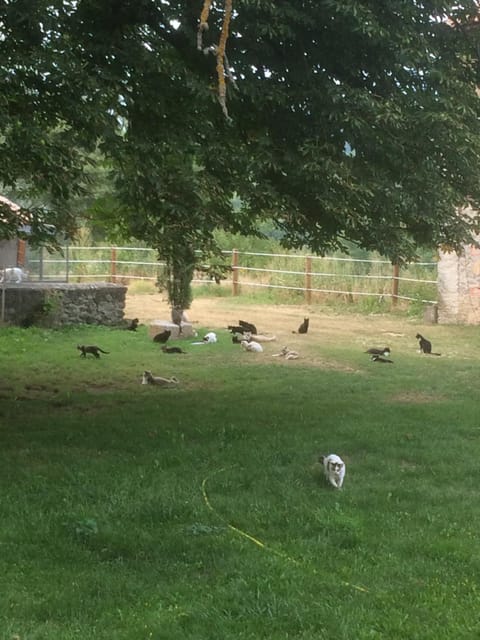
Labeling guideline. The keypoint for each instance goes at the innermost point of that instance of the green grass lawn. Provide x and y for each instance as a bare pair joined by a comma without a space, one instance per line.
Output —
133,512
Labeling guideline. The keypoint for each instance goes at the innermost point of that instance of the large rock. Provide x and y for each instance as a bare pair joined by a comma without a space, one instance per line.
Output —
157,326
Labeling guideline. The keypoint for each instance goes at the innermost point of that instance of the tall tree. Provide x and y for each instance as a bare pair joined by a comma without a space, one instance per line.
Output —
351,119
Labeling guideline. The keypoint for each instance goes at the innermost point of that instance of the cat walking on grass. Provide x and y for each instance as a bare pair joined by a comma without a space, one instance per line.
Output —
92,349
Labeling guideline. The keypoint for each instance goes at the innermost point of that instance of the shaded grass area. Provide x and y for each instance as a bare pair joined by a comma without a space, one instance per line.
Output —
131,512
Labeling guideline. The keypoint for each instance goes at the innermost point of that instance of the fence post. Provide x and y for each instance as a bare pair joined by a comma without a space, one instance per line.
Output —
308,279
21,251
235,284
67,262
113,265
40,265
396,273
3,285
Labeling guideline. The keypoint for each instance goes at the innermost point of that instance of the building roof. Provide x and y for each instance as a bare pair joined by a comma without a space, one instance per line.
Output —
9,203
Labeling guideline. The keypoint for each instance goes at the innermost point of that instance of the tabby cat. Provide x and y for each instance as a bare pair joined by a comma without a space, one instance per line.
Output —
90,349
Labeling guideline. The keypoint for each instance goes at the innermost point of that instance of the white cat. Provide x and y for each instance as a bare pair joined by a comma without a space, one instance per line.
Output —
149,378
334,468
210,337
13,274
252,346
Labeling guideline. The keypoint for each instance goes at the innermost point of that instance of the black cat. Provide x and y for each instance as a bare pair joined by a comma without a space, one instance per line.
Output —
303,328
378,358
166,349
133,326
236,328
373,351
162,337
426,346
248,326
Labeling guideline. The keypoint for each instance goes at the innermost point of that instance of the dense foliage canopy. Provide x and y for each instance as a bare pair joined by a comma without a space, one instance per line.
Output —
348,119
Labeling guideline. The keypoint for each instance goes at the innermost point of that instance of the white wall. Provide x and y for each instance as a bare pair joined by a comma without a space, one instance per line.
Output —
8,253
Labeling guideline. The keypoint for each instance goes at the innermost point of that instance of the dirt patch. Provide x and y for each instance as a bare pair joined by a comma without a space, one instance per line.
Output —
351,331
280,320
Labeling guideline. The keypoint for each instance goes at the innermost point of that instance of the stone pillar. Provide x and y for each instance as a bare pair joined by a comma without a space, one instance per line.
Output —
459,286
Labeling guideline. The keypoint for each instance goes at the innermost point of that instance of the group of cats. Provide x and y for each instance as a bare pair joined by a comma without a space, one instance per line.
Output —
383,354
247,336
162,338
333,465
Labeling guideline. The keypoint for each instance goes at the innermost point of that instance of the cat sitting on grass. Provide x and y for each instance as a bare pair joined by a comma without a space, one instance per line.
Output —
426,346
256,347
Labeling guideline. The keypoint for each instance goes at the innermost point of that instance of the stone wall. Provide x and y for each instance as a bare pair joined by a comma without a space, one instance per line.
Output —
58,304
459,286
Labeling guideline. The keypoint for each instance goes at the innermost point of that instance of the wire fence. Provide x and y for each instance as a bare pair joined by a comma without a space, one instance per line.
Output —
308,276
